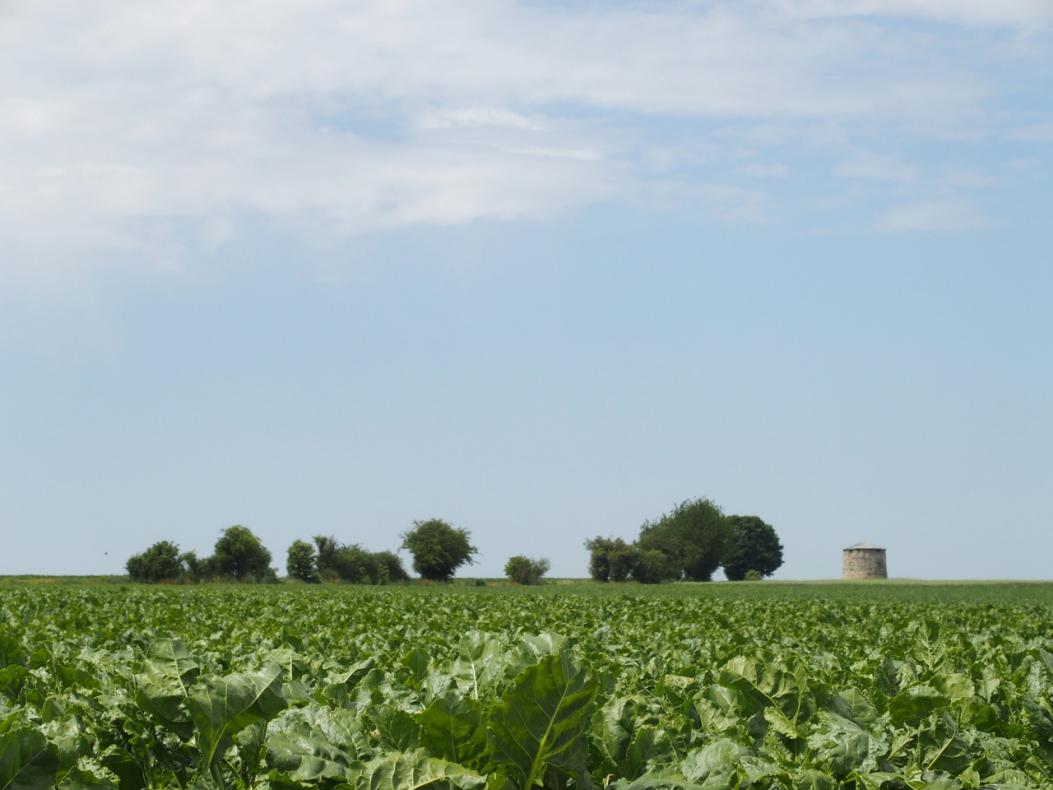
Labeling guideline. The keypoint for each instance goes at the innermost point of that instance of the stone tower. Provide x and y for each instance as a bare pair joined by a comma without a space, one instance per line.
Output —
864,561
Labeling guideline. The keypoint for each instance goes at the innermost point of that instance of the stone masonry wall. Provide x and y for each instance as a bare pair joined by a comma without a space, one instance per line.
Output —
864,564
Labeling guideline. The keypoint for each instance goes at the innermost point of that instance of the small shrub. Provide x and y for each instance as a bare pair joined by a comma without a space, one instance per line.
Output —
523,570
160,562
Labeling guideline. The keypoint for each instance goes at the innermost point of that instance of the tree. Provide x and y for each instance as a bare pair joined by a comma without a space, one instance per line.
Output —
651,566
753,545
196,569
611,559
160,562
523,570
356,565
241,555
438,548
693,536
599,558
391,565
302,562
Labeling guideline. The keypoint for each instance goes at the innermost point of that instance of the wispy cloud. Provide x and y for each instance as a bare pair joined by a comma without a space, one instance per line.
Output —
766,170
1034,133
878,168
348,117
936,215
1025,14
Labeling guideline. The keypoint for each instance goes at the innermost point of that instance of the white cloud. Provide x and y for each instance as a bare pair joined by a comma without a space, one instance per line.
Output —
1027,14
1034,133
766,170
459,117
877,167
936,215
346,116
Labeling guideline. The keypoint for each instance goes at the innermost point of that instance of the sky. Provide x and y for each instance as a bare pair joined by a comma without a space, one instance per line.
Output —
540,269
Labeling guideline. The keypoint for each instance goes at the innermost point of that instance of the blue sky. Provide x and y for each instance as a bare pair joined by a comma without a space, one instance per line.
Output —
542,270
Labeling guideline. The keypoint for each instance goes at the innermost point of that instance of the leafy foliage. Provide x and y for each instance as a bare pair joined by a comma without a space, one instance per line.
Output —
693,536
355,564
302,562
611,559
240,555
724,686
160,562
752,546
438,548
523,570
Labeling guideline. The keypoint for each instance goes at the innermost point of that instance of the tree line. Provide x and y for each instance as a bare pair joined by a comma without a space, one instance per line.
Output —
690,542
438,550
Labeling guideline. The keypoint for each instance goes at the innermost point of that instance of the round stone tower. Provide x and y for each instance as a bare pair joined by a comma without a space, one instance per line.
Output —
864,561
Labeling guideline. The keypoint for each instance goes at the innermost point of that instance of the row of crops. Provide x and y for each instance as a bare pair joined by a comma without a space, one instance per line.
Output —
403,688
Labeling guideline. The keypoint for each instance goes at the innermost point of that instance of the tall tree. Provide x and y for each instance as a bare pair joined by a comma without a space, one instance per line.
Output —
438,548
302,562
241,555
753,545
693,536
160,562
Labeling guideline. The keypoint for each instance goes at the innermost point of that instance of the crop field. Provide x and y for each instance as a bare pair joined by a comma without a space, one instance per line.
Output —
764,685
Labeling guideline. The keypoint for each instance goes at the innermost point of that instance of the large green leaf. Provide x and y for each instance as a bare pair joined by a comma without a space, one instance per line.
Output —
409,771
452,728
164,683
223,706
87,775
313,743
11,651
840,745
542,719
715,765
27,760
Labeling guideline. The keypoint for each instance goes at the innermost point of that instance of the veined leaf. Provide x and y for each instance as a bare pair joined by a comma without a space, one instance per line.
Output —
27,760
409,771
715,765
542,719
313,743
223,706
452,728
164,684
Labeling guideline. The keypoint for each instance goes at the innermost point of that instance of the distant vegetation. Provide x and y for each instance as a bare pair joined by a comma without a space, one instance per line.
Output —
438,548
523,570
238,556
690,542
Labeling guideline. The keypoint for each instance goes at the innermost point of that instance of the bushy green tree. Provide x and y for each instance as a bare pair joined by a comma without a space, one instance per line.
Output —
599,558
523,570
753,545
650,566
610,559
328,547
438,548
160,562
196,569
302,562
241,555
356,565
391,564
693,535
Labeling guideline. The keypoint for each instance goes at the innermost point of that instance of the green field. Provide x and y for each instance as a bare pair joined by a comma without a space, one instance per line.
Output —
766,685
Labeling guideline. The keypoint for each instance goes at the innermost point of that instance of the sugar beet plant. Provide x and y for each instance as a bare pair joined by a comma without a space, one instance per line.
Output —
402,689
